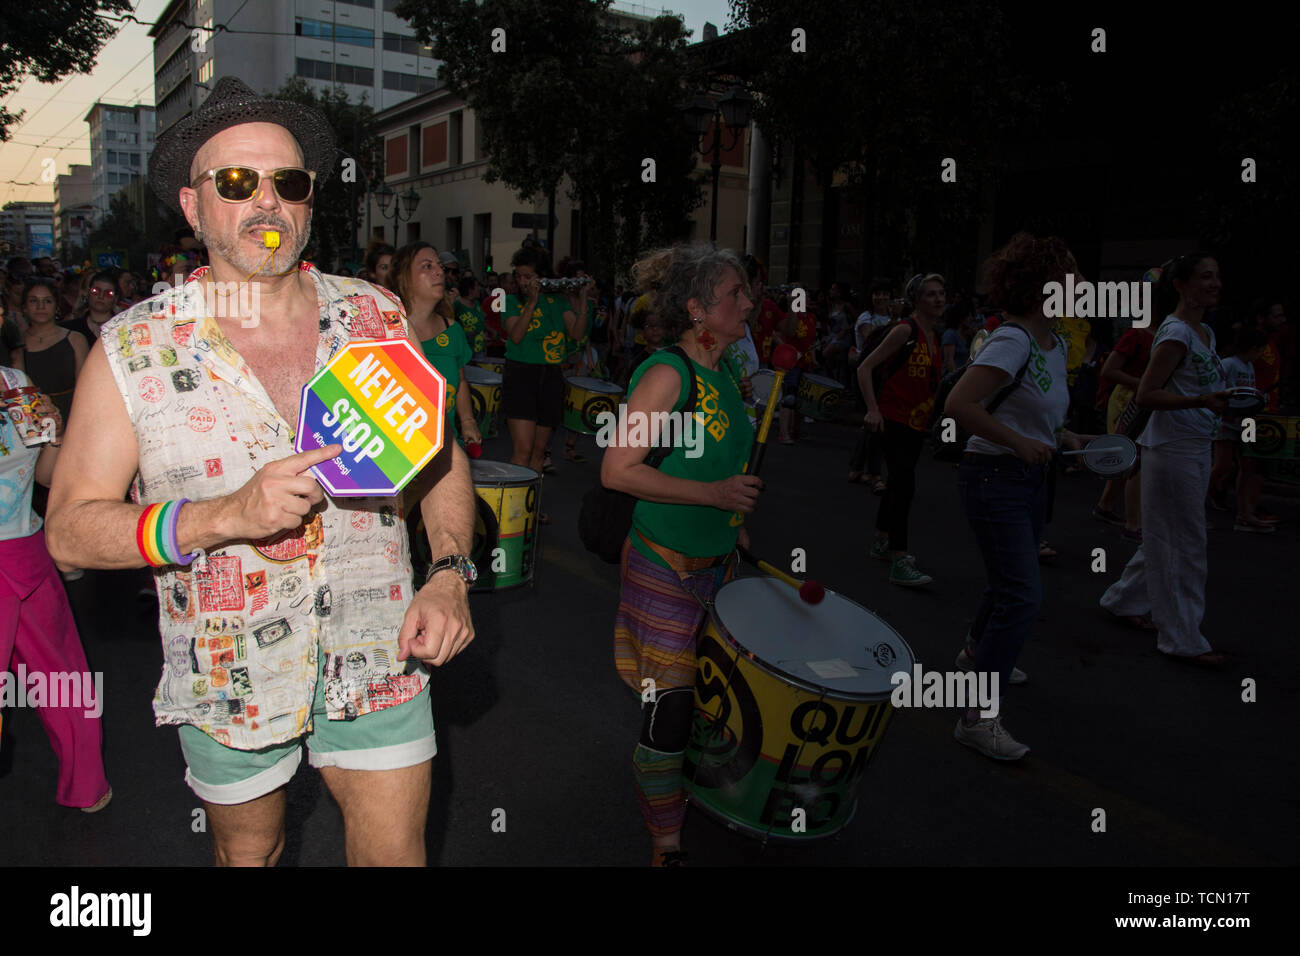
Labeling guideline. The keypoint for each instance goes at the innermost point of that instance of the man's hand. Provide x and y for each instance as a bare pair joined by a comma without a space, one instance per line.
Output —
277,498
437,625
746,388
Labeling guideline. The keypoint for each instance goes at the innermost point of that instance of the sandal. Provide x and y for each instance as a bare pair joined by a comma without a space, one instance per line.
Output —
571,455
99,804
879,487
855,477
1045,551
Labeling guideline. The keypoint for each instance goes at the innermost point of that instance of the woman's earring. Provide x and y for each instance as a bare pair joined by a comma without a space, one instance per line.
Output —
704,336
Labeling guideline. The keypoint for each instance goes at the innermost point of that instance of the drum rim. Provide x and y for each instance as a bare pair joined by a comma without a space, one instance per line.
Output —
820,380
801,682
574,379
520,482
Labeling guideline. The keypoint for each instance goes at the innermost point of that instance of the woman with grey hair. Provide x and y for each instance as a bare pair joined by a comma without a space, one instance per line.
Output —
687,519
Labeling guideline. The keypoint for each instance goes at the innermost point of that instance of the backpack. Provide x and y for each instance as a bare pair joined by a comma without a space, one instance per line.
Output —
605,518
951,451
882,373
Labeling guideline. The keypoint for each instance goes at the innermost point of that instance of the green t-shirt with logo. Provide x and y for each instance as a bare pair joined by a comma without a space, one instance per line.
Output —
576,346
449,352
545,341
470,317
726,438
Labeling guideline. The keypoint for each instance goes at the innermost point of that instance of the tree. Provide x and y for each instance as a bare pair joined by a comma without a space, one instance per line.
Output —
885,91
573,95
60,38
120,229
338,202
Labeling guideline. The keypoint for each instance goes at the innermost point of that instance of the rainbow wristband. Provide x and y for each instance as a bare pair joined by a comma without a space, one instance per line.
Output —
155,535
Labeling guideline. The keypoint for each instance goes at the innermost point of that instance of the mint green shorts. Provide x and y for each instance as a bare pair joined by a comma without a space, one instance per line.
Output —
388,739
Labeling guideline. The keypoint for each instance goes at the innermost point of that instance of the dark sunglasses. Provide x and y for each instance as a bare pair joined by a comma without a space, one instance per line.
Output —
239,183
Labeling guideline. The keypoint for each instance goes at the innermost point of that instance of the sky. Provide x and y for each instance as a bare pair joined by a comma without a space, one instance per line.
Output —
54,126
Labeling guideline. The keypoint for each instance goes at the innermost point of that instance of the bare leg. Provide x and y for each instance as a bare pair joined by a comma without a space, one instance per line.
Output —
248,834
384,813
541,438
521,441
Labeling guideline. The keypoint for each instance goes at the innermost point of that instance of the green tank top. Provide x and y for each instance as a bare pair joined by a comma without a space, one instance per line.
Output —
698,530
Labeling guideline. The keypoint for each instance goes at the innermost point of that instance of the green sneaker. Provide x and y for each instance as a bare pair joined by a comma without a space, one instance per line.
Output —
880,549
903,571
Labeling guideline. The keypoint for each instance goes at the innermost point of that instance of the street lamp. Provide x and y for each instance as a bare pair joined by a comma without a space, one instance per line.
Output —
704,116
401,211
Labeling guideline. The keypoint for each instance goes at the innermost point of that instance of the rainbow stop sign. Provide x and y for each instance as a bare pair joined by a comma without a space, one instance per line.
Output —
385,404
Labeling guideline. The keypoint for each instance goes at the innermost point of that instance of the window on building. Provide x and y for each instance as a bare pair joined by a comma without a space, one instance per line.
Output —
368,4
205,71
315,69
412,232
396,43
435,144
360,75
313,28
395,158
356,36
135,159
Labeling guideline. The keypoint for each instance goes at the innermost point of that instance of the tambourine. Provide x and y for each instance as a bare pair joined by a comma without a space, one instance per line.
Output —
1244,400
1108,455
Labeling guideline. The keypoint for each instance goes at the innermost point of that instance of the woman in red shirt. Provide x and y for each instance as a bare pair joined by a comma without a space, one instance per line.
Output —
902,412
800,330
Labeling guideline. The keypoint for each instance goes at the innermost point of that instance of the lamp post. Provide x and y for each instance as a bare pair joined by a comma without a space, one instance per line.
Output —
402,210
732,111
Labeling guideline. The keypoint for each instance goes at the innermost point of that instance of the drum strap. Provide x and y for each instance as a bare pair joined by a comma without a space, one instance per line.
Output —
681,563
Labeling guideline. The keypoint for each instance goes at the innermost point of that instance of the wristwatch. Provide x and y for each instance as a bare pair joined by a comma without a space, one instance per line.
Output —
458,563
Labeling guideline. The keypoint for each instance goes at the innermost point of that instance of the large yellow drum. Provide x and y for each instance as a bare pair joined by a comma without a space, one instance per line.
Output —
585,399
485,392
818,397
791,701
505,527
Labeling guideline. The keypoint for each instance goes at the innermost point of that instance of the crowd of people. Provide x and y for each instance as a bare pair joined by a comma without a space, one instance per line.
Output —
688,335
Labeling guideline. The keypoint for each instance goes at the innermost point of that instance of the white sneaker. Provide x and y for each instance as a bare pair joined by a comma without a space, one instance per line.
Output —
965,663
990,738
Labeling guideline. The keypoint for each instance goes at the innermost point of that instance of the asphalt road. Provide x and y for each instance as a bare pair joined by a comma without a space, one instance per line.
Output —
533,720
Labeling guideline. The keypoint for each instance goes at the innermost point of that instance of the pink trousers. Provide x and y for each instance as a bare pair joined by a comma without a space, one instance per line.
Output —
37,632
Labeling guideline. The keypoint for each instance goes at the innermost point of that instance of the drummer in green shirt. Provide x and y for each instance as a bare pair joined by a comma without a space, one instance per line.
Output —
687,520
469,315
419,278
538,327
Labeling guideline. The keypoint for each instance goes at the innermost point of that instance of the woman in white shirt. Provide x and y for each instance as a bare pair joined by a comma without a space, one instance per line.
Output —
1013,400
1184,387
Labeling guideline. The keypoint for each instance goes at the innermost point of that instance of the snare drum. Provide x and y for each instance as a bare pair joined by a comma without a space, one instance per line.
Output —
791,701
505,524
584,399
485,392
818,397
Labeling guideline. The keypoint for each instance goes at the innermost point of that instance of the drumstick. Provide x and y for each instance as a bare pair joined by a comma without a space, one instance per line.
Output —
784,358
810,591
